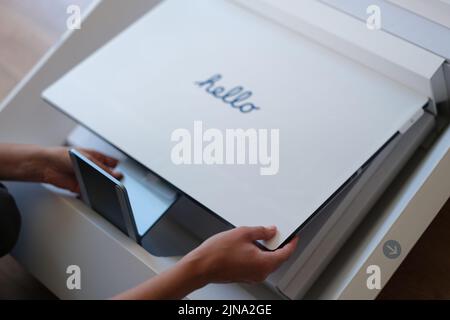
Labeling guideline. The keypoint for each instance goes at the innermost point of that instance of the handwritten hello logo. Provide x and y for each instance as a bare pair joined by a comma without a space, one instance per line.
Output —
236,97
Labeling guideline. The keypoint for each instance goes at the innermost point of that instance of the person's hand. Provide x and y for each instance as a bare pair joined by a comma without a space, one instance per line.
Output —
57,169
230,256
33,163
233,256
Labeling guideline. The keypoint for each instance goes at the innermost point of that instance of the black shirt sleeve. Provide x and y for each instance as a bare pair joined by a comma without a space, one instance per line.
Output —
9,222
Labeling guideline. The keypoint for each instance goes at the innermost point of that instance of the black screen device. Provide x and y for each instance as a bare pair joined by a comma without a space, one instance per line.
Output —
104,194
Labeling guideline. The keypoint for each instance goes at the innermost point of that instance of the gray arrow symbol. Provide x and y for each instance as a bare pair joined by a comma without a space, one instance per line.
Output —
392,249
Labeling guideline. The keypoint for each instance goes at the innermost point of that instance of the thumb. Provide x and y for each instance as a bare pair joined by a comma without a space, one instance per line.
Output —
261,233
281,255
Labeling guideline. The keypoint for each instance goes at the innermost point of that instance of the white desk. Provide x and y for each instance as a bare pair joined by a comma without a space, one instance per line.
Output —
59,231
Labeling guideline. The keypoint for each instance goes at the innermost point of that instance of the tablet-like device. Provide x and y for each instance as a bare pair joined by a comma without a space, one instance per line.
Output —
103,193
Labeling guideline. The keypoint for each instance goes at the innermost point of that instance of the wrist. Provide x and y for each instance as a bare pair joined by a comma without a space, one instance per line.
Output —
32,164
21,162
194,269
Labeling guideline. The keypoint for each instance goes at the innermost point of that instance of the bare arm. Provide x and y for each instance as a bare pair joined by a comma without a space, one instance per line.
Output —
176,283
32,163
19,162
227,257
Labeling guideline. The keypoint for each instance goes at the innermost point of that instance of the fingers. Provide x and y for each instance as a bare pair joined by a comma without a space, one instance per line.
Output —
108,169
68,182
75,188
106,160
115,174
259,233
271,261
281,255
